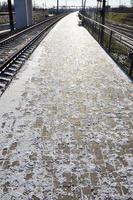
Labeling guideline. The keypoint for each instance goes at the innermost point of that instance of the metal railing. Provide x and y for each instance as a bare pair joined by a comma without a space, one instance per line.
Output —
117,45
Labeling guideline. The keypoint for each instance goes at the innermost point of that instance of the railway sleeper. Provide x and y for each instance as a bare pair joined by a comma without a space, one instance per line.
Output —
5,78
22,58
25,54
29,51
12,69
19,62
15,66
9,73
1,89
3,84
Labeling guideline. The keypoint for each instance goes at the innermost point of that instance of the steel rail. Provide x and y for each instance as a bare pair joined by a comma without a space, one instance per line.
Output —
10,38
126,32
27,49
12,44
15,55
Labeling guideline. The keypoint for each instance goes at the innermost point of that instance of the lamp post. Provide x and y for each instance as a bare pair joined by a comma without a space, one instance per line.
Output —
66,4
103,20
57,7
43,10
10,15
103,12
84,4
34,5
98,8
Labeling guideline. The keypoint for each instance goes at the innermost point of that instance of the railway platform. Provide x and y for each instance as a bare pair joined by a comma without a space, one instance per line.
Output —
66,123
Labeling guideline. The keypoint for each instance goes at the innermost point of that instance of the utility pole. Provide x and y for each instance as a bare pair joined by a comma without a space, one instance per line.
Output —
96,18
82,5
57,7
34,5
43,10
66,3
103,12
10,15
97,11
103,20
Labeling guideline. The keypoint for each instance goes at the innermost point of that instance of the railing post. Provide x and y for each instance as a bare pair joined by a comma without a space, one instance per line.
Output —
95,27
92,28
131,68
110,41
99,33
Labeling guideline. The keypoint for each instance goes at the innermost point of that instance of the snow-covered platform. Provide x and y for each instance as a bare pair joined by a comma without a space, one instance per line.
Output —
66,123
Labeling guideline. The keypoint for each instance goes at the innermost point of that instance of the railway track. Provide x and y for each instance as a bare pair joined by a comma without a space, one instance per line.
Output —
7,33
16,49
126,30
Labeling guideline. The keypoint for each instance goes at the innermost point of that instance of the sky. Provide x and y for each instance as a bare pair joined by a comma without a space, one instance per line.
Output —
78,2
50,3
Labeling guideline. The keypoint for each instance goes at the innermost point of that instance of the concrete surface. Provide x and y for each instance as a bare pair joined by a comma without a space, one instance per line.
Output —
67,122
